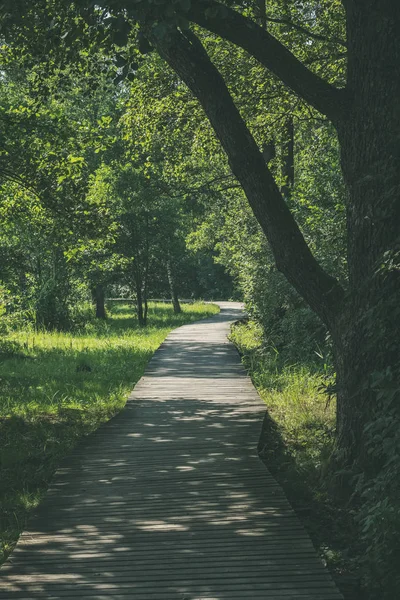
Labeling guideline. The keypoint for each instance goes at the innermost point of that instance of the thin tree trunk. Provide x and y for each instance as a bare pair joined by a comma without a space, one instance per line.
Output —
145,302
99,298
146,271
261,13
172,287
139,300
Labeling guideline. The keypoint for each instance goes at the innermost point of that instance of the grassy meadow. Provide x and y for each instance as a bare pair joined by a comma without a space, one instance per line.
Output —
56,387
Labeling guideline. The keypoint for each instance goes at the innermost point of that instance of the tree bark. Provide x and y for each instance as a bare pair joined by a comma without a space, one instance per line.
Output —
146,269
99,298
140,300
145,301
369,137
146,310
261,13
172,287
139,304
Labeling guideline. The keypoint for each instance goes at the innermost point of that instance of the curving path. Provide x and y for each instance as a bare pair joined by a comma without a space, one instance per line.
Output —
168,500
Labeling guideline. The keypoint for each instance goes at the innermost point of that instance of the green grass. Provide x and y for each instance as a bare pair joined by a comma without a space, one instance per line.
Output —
57,387
294,395
297,443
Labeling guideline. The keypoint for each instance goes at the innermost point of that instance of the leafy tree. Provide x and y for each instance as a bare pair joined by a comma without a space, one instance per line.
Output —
46,174
362,116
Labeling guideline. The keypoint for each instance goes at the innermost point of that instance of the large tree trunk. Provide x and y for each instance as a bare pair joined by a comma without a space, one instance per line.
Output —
368,332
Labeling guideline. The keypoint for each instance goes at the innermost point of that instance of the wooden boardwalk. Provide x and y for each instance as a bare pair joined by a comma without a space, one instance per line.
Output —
169,501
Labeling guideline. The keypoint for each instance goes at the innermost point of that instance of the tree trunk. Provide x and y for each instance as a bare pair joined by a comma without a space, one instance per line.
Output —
261,11
144,300
172,287
146,311
146,272
368,331
99,298
139,302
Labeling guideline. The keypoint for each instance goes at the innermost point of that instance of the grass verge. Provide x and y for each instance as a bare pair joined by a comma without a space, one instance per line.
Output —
296,444
57,387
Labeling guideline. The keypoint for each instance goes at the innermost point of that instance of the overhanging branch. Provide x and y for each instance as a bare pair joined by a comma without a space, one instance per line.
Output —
316,36
14,178
242,31
185,54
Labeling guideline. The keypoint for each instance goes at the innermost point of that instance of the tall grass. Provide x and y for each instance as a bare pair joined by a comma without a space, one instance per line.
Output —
294,394
57,387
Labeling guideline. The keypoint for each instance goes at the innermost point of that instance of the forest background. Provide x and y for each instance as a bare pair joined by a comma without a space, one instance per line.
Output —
114,183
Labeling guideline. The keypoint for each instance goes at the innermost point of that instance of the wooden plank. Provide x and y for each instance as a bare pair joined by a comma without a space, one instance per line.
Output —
169,501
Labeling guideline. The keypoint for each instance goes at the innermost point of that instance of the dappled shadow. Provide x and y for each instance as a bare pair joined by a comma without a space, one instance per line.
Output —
169,500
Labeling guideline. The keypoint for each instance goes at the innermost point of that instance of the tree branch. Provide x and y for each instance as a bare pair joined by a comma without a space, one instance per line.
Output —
311,34
10,176
186,55
242,31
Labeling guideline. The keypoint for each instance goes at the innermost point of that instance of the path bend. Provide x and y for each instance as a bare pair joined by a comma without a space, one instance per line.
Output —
169,500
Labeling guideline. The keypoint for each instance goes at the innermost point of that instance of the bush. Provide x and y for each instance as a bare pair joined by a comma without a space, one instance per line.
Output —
52,311
287,325
12,315
82,315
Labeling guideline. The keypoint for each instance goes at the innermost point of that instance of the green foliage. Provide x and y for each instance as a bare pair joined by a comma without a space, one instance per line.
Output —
51,306
11,349
293,393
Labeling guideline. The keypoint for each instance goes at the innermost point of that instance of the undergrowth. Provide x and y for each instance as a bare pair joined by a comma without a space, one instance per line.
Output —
57,387
296,444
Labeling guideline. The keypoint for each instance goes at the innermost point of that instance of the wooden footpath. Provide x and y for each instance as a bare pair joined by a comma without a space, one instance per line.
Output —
169,500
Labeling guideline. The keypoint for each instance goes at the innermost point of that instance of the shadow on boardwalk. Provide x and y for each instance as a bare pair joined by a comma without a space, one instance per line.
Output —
169,500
